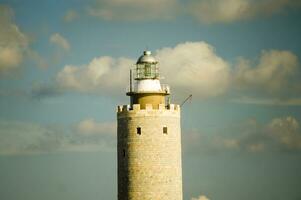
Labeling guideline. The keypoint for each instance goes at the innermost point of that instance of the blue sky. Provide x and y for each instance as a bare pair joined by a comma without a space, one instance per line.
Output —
64,68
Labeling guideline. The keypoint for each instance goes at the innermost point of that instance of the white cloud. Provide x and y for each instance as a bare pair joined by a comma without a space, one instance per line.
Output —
198,70
286,131
225,11
201,197
13,43
60,41
273,79
103,74
134,10
28,138
194,67
274,74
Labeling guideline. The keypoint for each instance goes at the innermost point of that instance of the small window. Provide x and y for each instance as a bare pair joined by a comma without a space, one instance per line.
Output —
139,130
164,129
123,153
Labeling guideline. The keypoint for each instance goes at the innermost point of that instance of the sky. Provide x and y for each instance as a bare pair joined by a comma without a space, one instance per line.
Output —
64,68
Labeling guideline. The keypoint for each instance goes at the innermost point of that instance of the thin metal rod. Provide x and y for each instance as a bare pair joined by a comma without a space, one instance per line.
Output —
131,80
189,97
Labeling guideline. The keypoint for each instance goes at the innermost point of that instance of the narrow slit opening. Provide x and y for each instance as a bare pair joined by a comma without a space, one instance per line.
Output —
164,129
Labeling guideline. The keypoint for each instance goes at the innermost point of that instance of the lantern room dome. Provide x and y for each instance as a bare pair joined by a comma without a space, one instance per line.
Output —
146,58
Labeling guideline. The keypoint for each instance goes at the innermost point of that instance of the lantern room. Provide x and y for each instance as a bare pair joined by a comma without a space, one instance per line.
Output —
146,67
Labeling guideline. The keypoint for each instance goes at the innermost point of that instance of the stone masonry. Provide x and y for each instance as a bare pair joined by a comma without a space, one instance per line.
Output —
149,160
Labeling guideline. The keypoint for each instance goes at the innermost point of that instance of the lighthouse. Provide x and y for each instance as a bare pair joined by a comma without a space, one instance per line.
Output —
148,138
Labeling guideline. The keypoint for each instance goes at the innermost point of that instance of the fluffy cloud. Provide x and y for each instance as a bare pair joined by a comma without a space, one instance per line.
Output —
103,74
224,11
134,10
13,43
272,80
280,134
274,74
28,138
60,41
286,131
199,71
194,67
201,197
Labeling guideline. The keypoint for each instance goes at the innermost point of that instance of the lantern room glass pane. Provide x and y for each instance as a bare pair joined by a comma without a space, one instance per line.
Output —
147,71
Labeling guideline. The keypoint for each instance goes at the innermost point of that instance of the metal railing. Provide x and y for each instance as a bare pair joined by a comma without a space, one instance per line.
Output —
165,88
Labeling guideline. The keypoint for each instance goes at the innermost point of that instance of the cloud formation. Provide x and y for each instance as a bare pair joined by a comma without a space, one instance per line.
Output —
274,74
59,41
219,10
199,71
194,67
134,10
88,135
279,134
201,197
285,131
273,79
103,74
13,43
28,138
206,11
225,11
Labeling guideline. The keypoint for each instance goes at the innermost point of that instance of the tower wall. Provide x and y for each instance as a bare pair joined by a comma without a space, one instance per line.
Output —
148,98
149,164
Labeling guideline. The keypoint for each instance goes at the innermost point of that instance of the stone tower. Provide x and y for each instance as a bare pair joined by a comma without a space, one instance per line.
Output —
149,138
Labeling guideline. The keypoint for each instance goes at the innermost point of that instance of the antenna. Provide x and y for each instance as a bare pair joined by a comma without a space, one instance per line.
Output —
189,97
131,80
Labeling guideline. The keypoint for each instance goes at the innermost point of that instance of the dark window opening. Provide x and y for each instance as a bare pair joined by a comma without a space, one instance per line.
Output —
165,129
139,130
123,153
